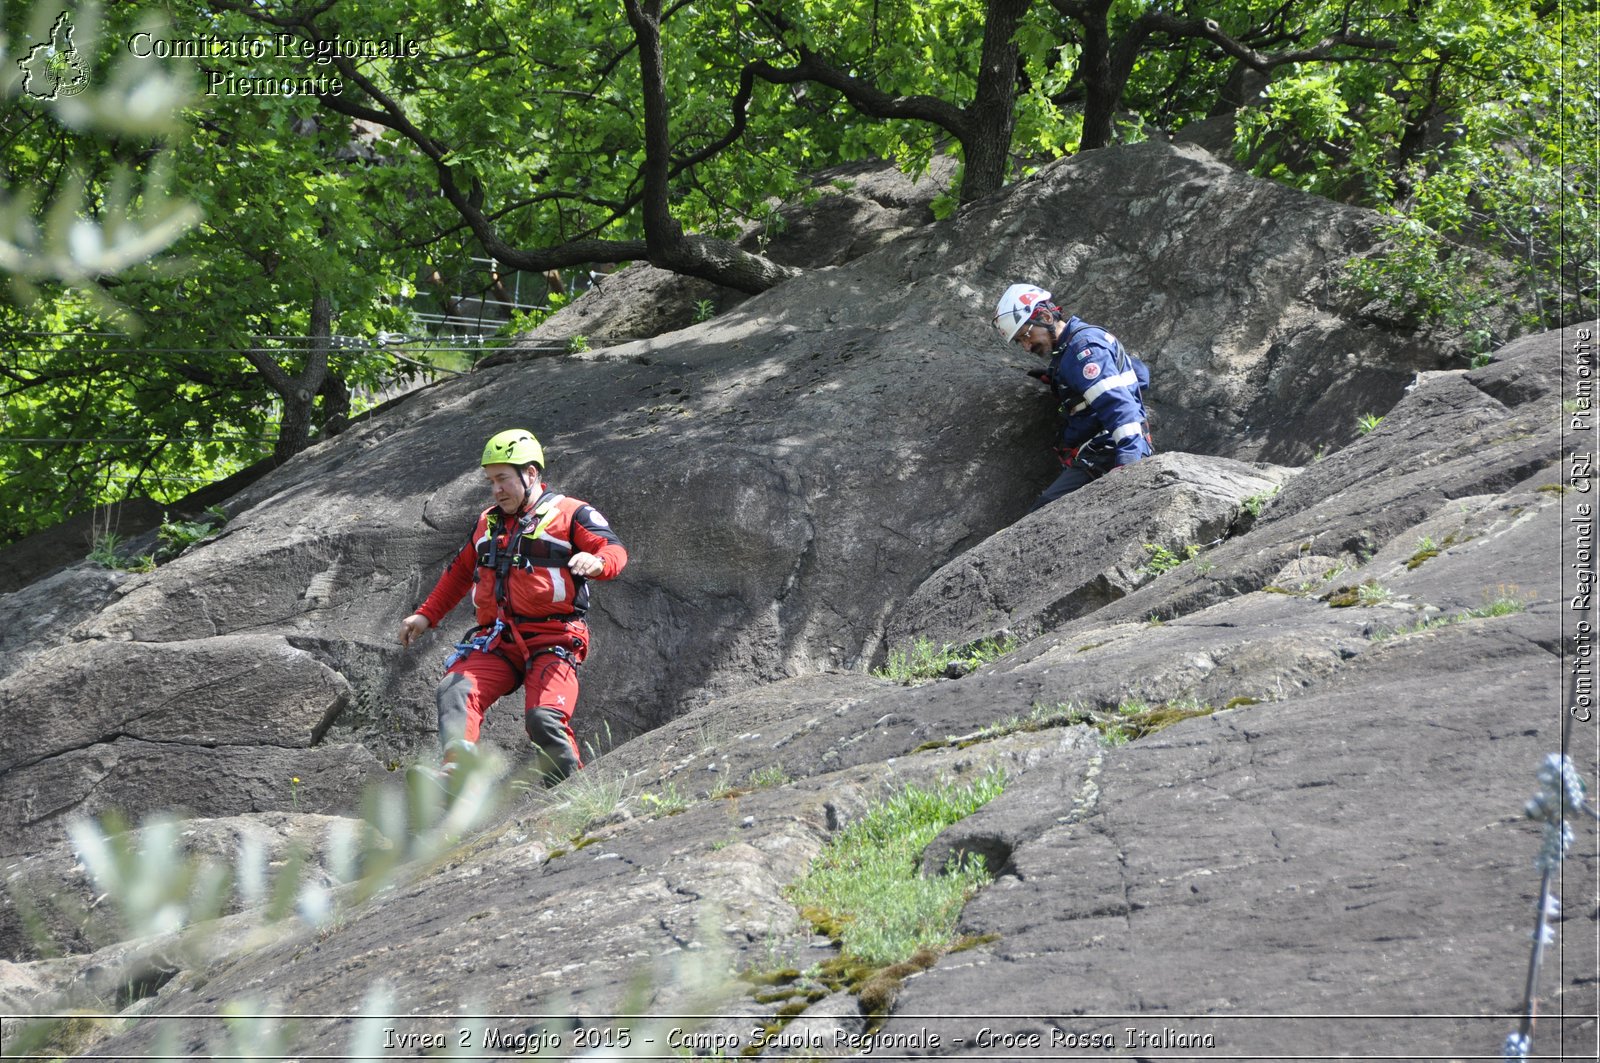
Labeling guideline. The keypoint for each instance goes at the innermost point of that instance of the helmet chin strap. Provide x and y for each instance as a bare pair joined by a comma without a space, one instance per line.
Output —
527,489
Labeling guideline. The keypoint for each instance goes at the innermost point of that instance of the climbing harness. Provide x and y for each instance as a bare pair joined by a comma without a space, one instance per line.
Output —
482,643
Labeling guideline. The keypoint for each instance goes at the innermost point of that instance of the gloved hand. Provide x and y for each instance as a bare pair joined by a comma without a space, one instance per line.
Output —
1041,375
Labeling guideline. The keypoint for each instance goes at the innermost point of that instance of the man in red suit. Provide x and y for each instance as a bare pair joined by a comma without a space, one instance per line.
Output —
528,563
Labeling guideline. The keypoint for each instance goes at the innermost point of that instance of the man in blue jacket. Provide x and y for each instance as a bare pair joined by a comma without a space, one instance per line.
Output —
1099,384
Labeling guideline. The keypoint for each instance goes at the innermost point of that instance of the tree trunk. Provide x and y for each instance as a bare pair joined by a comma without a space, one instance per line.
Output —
990,121
298,393
1094,68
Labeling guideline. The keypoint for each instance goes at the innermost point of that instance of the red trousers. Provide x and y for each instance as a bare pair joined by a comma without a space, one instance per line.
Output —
550,684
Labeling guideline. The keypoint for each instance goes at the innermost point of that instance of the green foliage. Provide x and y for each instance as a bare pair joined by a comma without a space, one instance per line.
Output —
1134,718
924,661
577,344
773,775
105,552
160,379
175,536
1503,604
1040,717
102,216
1367,422
1426,550
1164,560
1463,137
1371,592
867,884
585,797
1367,593
522,321
668,802
1258,502
704,310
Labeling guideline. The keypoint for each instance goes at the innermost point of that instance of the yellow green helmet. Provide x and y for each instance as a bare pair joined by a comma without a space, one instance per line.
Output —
515,446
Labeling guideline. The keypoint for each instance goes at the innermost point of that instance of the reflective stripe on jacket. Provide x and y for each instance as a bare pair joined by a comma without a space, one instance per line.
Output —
1099,384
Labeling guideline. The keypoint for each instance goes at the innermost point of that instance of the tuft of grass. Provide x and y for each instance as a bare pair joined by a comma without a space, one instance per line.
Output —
1134,718
583,798
1039,718
578,343
669,802
105,553
1426,549
1165,560
924,662
1502,605
1367,422
771,776
865,885
1369,593
1372,592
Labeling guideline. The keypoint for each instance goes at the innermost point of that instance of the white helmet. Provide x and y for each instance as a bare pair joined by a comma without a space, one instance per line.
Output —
1016,307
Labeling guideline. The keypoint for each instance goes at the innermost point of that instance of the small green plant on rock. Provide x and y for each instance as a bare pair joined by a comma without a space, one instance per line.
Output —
1426,549
1373,593
1134,718
1165,560
668,802
1258,502
1501,605
106,554
1367,422
1368,593
769,777
584,798
924,662
1039,718
175,536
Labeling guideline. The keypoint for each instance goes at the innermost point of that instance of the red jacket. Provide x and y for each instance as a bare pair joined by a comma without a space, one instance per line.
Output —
528,553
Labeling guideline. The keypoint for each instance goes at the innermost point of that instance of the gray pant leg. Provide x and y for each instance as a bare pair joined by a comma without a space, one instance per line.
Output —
549,732
451,697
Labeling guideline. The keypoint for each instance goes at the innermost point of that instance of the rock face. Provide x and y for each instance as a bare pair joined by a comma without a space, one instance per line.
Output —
1367,667
1023,580
785,475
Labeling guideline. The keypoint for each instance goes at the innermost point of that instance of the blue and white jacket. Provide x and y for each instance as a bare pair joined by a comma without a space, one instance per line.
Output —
1100,387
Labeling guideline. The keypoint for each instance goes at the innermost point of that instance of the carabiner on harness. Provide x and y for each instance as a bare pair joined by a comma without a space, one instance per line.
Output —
479,643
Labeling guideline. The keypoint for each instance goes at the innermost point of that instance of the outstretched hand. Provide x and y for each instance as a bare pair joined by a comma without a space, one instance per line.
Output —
412,628
585,564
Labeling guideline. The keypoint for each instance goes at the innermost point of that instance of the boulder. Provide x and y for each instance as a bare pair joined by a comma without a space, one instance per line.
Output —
850,211
1085,550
